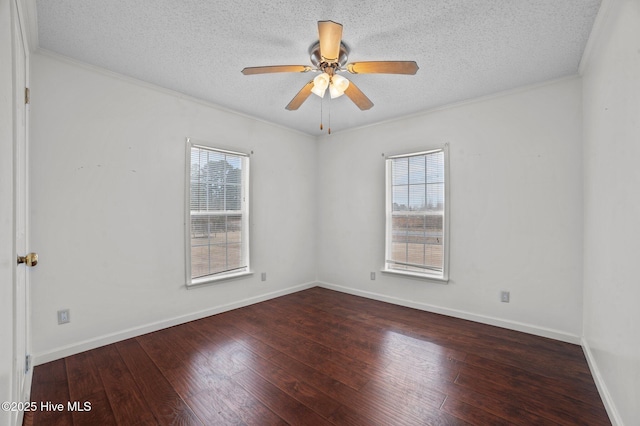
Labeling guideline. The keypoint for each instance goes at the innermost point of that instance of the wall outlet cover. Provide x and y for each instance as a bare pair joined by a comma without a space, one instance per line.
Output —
63,316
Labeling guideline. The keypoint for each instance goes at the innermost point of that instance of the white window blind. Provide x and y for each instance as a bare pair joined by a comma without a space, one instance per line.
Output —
218,213
416,214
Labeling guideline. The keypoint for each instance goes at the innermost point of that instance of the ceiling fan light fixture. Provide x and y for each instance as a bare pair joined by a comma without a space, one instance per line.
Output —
329,56
338,85
320,84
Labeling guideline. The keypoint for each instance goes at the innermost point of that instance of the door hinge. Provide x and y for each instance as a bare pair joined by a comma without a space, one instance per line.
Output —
27,96
27,363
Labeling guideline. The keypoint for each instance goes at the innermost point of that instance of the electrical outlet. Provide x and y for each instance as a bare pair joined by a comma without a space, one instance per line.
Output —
504,297
263,276
63,316
373,276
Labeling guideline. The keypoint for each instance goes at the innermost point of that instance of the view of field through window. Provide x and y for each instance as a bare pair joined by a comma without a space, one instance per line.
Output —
417,223
216,213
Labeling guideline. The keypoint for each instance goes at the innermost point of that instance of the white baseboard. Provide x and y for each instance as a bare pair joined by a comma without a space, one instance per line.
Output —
609,405
107,339
484,319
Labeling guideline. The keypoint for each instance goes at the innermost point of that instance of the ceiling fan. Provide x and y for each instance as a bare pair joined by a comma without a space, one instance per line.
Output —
329,56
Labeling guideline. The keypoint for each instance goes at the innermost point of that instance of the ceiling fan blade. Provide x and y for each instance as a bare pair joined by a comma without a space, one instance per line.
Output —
302,96
276,68
358,98
330,35
383,67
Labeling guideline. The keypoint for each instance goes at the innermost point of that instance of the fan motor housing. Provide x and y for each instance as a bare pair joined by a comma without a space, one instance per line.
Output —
316,58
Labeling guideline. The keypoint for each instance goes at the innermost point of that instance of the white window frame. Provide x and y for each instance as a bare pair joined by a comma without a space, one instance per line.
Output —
246,184
427,274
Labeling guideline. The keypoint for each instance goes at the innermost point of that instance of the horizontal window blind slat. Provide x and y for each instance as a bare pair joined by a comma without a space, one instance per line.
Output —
216,212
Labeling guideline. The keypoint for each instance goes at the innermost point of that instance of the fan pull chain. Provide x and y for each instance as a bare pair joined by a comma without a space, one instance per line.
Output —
321,102
329,116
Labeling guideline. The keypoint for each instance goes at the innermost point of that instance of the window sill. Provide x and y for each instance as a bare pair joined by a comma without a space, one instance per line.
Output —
415,275
201,282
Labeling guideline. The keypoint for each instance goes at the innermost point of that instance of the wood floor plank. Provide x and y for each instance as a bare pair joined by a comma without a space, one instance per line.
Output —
247,407
219,324
324,331
471,414
372,406
224,354
577,389
286,407
361,316
188,370
511,410
382,352
84,379
166,405
127,401
555,407
323,357
337,365
364,334
50,389
212,411
86,387
347,416
423,404
199,367
401,392
295,387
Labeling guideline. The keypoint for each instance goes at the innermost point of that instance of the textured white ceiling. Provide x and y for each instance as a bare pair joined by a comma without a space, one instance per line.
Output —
464,48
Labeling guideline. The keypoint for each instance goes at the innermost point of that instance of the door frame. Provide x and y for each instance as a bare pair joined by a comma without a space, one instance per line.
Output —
22,367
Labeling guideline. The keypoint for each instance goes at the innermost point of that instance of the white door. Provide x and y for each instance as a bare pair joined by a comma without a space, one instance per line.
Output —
21,367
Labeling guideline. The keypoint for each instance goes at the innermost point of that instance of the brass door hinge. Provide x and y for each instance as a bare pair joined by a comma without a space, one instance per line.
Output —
27,96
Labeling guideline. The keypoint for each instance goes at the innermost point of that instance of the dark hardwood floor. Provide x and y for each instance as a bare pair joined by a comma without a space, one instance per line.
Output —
321,357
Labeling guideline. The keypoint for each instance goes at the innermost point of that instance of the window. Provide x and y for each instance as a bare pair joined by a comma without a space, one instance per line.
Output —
417,223
218,214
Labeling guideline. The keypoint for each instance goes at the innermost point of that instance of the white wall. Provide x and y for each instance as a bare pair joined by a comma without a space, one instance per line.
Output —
611,82
7,246
516,209
108,179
